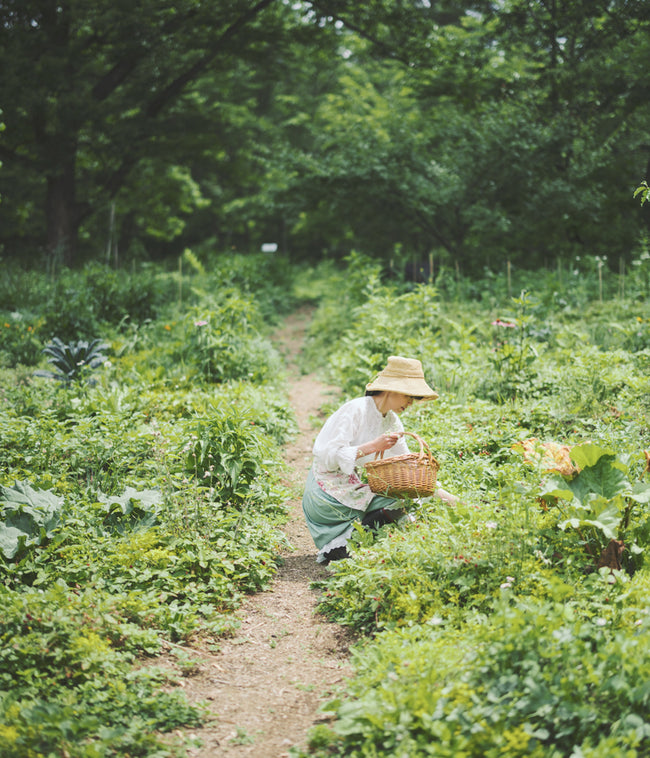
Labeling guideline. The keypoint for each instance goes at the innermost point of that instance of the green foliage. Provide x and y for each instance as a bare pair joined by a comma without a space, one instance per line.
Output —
74,361
474,616
227,342
267,277
401,580
435,127
373,333
67,680
598,499
534,680
109,545
487,630
513,359
642,192
132,510
228,453
20,340
78,304
27,517
346,287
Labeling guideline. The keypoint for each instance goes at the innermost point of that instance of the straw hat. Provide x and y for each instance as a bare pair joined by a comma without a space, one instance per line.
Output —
402,375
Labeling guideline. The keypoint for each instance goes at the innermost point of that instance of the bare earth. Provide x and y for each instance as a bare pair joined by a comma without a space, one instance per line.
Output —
266,684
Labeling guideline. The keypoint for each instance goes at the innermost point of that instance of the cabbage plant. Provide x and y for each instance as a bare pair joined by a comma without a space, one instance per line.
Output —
72,361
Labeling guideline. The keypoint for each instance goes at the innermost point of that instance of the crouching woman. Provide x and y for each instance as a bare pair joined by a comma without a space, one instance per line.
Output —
335,497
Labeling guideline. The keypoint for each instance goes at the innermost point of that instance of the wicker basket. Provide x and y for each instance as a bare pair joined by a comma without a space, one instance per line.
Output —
410,475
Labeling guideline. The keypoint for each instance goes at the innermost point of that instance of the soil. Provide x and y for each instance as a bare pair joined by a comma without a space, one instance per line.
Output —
266,684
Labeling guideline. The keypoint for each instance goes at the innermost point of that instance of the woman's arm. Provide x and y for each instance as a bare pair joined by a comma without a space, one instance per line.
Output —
379,445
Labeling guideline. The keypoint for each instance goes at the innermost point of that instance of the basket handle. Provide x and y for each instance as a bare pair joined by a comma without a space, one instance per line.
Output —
422,452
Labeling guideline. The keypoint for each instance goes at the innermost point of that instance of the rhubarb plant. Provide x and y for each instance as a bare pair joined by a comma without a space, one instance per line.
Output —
599,499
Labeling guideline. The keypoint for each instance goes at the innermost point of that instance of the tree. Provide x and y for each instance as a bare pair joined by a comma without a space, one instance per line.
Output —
522,104
88,89
471,127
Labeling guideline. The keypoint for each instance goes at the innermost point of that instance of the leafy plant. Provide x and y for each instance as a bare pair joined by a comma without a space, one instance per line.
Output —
132,510
67,680
20,339
27,517
534,680
598,499
514,356
643,192
228,452
74,360
227,342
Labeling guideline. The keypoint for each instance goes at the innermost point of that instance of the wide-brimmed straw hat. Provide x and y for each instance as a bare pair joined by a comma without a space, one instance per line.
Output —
404,375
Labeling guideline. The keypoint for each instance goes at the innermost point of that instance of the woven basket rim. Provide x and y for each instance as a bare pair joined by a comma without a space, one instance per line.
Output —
425,452
407,474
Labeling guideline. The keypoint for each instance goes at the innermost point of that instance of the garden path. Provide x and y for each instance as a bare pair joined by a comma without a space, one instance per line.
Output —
266,684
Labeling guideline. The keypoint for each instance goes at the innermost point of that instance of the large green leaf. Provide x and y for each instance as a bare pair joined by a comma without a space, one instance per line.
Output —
133,509
607,522
556,486
604,478
149,499
21,493
27,517
588,454
640,493
11,540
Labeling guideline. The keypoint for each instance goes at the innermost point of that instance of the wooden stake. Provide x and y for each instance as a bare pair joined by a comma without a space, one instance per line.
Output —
180,280
621,273
600,280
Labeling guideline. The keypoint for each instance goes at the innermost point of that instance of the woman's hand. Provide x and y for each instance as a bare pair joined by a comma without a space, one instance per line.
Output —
445,496
384,442
379,445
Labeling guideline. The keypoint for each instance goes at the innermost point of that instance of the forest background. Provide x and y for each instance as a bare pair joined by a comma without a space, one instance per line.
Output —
458,134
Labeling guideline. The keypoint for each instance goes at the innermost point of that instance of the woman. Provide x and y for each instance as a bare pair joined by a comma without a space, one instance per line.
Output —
335,497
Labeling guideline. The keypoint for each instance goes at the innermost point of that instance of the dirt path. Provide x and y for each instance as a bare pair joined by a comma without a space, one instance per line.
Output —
266,684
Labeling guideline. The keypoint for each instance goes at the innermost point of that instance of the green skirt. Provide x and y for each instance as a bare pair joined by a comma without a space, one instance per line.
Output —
330,523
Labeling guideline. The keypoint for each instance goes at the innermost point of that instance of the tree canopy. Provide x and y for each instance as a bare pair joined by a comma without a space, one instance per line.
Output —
475,130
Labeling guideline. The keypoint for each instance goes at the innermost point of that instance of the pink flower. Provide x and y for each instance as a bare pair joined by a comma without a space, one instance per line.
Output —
505,324
200,323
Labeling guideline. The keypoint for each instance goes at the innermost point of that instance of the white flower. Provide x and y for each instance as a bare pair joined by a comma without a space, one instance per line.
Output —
491,524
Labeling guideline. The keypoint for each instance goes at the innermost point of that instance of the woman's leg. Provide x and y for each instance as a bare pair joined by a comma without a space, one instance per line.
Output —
330,523
382,510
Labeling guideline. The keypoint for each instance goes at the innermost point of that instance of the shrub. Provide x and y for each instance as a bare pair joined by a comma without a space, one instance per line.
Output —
20,340
534,680
228,452
226,342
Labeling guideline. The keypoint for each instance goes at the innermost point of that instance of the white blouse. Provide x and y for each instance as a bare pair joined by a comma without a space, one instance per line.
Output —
335,449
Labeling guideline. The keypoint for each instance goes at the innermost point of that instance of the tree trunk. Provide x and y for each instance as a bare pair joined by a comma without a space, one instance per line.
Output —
62,217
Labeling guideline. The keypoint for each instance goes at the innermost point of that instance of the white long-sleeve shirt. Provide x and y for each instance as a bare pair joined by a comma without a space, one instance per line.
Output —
335,450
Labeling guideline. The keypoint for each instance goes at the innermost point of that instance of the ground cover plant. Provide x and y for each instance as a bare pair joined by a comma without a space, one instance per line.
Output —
516,622
140,499
138,508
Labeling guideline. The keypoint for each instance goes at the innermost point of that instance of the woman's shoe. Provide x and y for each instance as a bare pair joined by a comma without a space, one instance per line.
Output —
375,519
336,554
